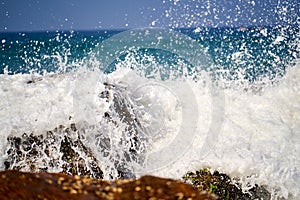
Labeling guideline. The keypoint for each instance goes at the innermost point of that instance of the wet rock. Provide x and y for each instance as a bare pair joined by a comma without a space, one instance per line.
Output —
123,107
223,186
64,148
60,148
121,113
21,185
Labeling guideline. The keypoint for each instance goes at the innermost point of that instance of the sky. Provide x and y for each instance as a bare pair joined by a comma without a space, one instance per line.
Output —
42,15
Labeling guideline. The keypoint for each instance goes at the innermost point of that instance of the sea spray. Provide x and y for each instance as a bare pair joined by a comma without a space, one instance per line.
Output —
256,136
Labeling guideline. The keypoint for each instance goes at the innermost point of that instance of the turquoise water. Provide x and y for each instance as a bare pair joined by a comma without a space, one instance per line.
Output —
261,51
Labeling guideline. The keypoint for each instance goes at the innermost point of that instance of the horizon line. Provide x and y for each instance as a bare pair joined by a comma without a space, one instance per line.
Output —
126,29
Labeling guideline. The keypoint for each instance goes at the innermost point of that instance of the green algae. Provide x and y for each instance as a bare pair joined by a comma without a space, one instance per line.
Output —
223,186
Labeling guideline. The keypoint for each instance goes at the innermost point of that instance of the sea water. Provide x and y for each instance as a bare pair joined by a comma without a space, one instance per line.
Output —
223,98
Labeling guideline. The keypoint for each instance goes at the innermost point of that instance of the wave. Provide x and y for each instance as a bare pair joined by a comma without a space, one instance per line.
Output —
137,125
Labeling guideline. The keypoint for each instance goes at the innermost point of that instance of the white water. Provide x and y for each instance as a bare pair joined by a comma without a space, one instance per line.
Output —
249,133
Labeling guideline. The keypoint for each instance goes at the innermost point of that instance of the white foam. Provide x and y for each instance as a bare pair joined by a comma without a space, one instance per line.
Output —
259,133
259,138
36,106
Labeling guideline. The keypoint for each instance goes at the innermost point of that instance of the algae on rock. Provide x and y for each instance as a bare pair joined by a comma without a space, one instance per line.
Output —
223,186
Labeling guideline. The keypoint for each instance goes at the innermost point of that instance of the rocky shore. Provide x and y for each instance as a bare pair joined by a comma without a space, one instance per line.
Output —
66,148
23,185
222,185
81,176
201,184
80,170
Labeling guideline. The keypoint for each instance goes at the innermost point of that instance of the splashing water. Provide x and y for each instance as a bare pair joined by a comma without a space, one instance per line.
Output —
160,102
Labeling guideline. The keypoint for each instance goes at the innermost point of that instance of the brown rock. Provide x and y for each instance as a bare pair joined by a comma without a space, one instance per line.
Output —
24,185
37,153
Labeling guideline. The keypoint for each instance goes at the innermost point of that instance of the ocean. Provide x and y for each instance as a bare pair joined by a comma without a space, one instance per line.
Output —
125,103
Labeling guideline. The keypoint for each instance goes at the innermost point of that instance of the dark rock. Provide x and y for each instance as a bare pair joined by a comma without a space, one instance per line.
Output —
60,148
122,111
223,186
21,185
64,148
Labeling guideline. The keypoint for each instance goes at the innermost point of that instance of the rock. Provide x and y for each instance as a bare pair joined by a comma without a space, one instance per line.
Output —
24,185
223,186
64,149
122,111
61,148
